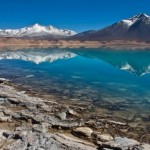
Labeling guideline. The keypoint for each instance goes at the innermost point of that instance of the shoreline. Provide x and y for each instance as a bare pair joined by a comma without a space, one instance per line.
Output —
30,43
24,115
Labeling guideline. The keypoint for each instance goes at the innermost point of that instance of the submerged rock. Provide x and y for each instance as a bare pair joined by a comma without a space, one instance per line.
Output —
3,80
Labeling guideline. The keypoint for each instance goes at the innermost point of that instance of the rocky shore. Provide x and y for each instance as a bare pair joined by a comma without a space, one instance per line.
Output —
35,123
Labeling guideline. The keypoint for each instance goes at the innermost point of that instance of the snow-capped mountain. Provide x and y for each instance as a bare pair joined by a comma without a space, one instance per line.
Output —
135,28
37,57
37,31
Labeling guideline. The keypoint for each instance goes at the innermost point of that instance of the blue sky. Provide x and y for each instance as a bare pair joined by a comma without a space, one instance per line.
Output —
78,15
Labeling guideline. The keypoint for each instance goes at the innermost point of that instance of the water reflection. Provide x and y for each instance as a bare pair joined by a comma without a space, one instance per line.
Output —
135,62
112,80
37,57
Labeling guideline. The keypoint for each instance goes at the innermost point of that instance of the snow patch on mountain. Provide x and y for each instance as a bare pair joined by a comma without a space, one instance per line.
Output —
129,22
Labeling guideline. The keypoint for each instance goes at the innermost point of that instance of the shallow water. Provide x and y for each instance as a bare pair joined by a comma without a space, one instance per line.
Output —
118,81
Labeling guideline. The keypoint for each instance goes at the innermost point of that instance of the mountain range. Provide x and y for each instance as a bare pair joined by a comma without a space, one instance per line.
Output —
37,31
134,28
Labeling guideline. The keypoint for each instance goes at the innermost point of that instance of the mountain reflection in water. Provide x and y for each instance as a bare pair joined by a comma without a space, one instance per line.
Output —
136,62
111,79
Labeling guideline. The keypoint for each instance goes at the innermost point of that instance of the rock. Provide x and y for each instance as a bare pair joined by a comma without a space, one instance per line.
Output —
124,130
116,123
32,117
72,112
120,143
91,123
17,145
83,131
104,137
1,114
42,141
145,146
41,128
2,134
62,115
73,143
3,80
145,137
65,124
6,134
107,149
21,128
94,134
133,125
5,119
146,117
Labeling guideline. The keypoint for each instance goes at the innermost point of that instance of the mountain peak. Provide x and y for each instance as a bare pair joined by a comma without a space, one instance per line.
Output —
142,15
133,19
36,25
139,16
134,28
37,31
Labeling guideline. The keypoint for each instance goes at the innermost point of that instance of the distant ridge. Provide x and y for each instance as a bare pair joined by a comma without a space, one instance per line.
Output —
37,31
134,28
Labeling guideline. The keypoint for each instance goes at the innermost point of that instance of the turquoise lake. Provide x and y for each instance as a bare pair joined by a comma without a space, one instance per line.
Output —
117,80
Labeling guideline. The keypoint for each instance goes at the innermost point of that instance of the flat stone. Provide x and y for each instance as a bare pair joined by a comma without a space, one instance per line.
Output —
104,137
91,123
145,146
83,131
72,112
41,128
5,119
120,143
42,141
117,123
